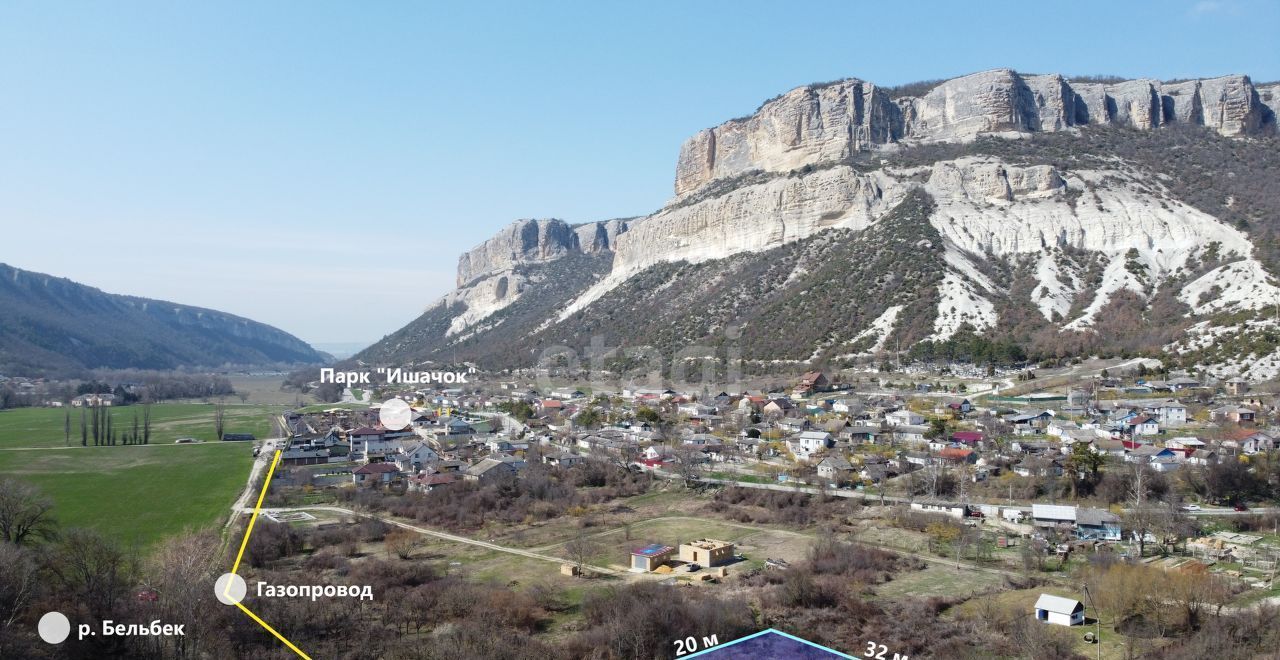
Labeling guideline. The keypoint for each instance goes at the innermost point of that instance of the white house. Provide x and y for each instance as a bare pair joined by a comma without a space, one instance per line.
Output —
1059,610
1170,413
417,455
904,418
807,443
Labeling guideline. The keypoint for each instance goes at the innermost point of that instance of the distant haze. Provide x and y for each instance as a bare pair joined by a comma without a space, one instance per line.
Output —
341,349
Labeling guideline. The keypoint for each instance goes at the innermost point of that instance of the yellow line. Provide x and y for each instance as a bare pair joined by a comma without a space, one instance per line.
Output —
235,568
257,508
272,631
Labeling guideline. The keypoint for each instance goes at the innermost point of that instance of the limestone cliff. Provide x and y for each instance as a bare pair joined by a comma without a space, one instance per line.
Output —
1002,226
816,124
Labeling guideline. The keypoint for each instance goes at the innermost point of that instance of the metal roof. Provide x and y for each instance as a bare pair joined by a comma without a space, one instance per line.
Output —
1057,604
653,549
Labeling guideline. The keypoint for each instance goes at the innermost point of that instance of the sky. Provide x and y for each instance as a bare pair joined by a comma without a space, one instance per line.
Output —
319,166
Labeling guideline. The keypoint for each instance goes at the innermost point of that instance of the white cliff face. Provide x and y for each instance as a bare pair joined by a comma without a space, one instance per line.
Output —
488,279
750,219
985,206
818,124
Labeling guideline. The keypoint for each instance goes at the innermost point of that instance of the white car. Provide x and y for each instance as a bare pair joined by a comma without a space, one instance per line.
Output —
1191,507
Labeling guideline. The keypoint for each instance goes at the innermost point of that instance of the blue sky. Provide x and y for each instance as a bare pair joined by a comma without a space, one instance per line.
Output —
319,166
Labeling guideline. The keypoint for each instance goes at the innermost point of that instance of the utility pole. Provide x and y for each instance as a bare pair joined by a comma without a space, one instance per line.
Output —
1097,622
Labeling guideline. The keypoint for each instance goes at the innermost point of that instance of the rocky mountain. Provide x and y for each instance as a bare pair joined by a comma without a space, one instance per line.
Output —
54,325
1040,215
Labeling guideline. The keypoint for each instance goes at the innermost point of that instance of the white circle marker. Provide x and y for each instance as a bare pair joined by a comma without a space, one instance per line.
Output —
236,591
395,414
54,627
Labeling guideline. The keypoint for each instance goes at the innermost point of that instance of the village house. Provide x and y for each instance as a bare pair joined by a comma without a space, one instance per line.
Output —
1141,425
807,443
958,456
911,435
1236,386
707,552
1038,467
375,474
778,407
1168,413
493,467
561,458
418,454
1234,415
1031,421
425,482
860,434
813,381
835,468
904,418
971,439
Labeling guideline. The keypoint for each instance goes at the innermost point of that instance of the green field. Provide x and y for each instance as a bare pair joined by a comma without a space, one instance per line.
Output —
44,427
137,494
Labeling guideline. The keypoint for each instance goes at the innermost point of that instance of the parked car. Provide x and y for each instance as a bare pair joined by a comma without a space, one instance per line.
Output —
1191,507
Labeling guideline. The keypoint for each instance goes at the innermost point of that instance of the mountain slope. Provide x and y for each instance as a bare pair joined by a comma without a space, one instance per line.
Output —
1060,218
54,325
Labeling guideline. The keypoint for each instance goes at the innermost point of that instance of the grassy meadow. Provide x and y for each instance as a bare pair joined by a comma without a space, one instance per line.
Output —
136,493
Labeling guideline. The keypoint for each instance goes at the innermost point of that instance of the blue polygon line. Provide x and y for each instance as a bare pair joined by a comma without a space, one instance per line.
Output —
766,632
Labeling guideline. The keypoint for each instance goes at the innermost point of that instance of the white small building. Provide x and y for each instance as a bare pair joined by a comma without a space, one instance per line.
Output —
807,443
1059,610
904,418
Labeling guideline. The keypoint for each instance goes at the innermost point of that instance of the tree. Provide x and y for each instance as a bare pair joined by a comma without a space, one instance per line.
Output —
25,514
244,396
219,421
1082,459
401,542
66,428
647,414
688,462
1232,481
19,587
589,417
580,549
1140,517
95,570
146,424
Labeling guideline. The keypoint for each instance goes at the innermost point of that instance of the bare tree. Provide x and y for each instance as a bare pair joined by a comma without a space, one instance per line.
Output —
688,462
1140,518
401,543
19,586
219,421
580,549
24,513
95,570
